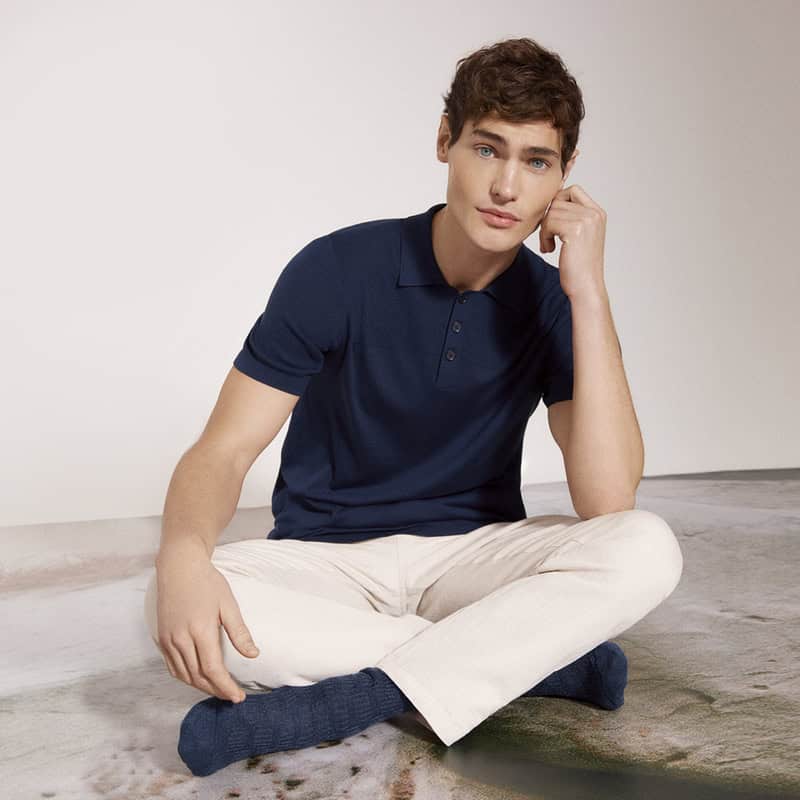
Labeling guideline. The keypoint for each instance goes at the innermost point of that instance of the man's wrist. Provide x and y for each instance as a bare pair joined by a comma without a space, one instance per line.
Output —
177,552
593,299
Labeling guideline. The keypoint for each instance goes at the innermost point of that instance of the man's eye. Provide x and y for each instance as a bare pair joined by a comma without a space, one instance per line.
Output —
540,169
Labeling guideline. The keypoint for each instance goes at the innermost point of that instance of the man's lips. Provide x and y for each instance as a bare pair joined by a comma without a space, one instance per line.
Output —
498,213
496,221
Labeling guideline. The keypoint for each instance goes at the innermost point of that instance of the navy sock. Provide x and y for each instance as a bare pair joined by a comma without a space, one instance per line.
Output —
217,732
598,677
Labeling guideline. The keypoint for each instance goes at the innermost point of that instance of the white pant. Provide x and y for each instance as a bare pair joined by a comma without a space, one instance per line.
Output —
463,624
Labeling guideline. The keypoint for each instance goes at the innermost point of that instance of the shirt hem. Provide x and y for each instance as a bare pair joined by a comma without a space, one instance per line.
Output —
428,530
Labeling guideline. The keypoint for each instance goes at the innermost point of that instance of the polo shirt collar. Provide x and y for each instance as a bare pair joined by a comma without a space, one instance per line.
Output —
418,265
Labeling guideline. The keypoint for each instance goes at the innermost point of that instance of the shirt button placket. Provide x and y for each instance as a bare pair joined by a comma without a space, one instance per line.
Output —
455,327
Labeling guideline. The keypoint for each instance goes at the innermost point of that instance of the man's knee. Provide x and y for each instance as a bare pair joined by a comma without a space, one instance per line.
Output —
654,557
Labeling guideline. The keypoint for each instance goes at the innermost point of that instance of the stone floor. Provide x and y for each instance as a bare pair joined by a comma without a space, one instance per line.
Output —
711,710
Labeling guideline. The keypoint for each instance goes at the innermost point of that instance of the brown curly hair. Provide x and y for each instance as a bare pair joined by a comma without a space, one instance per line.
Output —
520,81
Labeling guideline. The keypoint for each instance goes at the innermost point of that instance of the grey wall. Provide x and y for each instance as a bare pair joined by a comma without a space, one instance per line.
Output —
161,162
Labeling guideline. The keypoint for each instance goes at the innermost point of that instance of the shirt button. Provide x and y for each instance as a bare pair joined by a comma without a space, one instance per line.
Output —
456,326
450,355
462,298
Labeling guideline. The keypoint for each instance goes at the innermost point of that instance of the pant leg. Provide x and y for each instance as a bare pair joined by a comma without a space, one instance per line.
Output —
314,609
517,602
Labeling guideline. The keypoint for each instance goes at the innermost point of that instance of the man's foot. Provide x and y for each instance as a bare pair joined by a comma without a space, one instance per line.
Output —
217,732
597,677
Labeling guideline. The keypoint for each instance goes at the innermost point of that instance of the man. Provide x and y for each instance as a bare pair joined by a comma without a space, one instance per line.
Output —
402,574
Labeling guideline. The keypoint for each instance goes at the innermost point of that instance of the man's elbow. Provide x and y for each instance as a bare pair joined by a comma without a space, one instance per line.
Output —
608,506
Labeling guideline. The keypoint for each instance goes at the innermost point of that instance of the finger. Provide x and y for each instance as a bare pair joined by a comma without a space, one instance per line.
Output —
543,234
577,194
559,223
230,617
167,660
213,668
546,240
175,662
189,654
241,639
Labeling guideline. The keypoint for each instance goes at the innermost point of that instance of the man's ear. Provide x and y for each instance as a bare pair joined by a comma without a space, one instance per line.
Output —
442,138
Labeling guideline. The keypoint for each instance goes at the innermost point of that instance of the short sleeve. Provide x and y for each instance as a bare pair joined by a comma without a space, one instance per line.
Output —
558,365
305,318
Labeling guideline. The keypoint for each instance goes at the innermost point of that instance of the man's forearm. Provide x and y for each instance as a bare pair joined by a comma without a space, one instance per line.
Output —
605,451
201,501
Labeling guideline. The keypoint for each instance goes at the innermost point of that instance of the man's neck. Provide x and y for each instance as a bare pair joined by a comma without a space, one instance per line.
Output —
464,267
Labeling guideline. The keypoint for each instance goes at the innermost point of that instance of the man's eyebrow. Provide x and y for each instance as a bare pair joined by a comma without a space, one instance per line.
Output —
533,149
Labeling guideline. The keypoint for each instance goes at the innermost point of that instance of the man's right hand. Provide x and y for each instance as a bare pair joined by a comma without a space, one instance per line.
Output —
193,600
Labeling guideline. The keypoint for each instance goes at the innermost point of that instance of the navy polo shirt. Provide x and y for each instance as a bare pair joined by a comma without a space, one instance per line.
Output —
414,397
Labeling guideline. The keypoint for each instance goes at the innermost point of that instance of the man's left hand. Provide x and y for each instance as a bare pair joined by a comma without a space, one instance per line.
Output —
581,225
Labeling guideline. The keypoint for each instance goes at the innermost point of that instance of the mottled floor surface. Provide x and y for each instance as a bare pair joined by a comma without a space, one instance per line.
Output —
711,710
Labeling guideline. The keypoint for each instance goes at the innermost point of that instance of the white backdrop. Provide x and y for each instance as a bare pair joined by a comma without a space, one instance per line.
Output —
161,162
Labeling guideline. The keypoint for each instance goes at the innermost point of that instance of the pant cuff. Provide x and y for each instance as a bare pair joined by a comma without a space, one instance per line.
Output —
440,719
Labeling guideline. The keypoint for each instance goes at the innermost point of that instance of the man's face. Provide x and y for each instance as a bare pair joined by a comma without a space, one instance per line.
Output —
487,173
